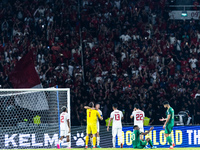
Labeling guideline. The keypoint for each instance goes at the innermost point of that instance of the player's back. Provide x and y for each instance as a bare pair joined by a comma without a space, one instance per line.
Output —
138,117
117,115
92,116
135,137
64,116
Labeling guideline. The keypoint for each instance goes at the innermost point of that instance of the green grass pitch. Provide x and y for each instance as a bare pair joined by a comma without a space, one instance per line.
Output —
116,149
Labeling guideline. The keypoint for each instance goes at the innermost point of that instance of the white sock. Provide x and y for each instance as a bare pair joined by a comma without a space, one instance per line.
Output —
59,142
69,144
98,141
91,141
114,141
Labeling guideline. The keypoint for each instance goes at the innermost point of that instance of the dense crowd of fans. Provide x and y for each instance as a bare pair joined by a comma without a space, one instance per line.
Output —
132,53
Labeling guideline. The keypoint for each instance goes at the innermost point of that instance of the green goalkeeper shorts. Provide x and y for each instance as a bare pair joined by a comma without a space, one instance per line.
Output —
168,129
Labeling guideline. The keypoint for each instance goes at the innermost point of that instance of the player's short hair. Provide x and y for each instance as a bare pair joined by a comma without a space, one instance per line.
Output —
135,126
97,104
63,109
91,104
115,105
136,106
165,103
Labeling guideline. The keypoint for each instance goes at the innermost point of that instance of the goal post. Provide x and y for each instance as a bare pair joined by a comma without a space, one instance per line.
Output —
30,118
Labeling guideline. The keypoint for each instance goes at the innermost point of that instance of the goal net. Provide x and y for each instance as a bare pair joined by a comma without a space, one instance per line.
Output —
30,118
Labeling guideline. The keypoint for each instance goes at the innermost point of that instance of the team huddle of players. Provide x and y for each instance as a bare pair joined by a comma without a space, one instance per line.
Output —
94,114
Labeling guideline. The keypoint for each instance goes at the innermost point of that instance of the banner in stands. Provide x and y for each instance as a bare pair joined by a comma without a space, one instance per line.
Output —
177,15
182,136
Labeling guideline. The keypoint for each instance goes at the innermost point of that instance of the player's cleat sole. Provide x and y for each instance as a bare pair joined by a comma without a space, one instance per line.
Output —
171,148
146,147
86,147
98,146
69,147
121,146
58,146
91,147
154,147
94,147
173,145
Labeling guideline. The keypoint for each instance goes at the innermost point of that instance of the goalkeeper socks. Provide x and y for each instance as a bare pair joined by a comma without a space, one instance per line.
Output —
98,141
91,141
114,141
86,140
150,143
169,140
94,141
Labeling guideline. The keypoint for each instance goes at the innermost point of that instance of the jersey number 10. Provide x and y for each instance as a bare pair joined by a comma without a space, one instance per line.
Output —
139,117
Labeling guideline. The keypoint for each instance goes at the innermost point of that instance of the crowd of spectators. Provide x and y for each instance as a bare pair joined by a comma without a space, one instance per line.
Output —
132,53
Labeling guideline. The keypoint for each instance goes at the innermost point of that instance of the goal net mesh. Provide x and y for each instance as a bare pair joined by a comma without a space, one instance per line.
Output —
30,119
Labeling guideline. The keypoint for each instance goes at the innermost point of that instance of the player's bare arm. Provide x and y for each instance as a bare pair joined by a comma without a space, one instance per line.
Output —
163,119
145,133
68,125
167,120
109,123
87,107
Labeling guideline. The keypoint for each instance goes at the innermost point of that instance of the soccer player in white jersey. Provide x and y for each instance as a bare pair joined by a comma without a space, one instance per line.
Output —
138,118
64,127
117,117
97,106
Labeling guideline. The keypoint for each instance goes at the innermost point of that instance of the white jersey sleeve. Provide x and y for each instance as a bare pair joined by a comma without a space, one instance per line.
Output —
133,114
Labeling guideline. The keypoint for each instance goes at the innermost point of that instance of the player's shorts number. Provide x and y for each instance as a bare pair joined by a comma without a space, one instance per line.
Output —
117,117
133,137
62,119
139,117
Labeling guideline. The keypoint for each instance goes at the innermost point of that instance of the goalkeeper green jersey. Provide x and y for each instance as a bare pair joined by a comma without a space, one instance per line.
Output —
135,137
170,111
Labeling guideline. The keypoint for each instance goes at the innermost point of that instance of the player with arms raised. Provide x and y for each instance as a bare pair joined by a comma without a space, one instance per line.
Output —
137,142
64,127
138,118
92,115
169,123
117,117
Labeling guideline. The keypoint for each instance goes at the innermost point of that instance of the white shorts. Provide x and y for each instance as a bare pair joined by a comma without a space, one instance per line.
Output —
98,127
64,132
116,131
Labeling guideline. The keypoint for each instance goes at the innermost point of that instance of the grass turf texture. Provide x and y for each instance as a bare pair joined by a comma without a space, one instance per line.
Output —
115,149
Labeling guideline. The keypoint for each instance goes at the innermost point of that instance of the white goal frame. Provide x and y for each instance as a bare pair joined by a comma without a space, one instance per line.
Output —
43,90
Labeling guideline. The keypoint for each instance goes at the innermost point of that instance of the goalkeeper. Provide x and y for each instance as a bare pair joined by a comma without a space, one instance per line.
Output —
135,137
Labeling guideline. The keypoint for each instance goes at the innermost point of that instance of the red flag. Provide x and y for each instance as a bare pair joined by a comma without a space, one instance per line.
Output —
24,74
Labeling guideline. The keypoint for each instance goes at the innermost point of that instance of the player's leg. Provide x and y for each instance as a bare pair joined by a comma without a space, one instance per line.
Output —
142,144
94,132
91,140
119,134
98,137
141,130
62,134
67,138
87,136
148,140
114,133
168,130
68,141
